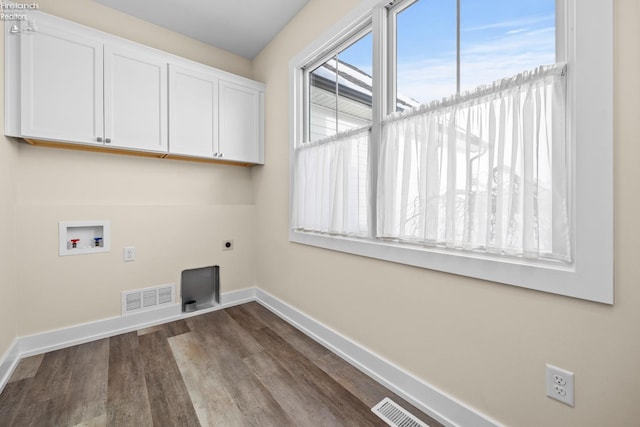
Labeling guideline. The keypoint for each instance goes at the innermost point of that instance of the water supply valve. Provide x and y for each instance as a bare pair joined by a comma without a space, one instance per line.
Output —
97,241
74,243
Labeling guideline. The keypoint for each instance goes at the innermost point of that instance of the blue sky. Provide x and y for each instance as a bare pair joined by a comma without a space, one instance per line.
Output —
499,38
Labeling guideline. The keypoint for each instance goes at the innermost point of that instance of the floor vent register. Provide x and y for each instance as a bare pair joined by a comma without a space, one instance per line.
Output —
395,415
148,298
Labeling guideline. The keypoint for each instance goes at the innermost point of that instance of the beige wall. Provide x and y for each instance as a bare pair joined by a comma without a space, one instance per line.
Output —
8,289
175,213
485,344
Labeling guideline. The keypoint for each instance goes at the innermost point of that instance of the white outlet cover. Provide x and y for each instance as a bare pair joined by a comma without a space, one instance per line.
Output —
560,385
129,253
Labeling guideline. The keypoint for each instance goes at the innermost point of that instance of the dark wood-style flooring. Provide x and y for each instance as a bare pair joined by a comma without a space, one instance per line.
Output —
242,366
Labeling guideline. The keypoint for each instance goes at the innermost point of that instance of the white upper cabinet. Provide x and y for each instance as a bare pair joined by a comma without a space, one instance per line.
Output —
240,136
60,85
193,112
135,99
68,83
214,115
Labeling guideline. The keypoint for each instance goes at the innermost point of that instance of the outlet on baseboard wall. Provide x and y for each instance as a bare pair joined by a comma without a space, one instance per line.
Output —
560,385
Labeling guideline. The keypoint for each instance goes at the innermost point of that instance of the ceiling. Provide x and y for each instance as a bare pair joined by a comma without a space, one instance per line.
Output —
243,27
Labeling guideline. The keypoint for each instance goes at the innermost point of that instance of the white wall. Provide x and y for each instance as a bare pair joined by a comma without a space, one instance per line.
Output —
483,343
175,213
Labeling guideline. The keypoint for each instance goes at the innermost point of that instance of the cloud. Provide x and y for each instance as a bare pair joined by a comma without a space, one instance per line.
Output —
481,64
524,22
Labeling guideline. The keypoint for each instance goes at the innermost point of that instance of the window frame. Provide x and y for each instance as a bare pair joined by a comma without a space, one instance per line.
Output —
354,36
589,53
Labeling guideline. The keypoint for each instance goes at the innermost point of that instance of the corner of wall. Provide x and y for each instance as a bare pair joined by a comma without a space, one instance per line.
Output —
8,201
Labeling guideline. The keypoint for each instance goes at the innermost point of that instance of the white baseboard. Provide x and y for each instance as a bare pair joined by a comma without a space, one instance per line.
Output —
79,334
31,345
429,399
8,363
426,397
229,299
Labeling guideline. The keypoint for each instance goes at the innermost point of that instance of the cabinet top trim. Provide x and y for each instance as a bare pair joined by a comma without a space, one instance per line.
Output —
82,30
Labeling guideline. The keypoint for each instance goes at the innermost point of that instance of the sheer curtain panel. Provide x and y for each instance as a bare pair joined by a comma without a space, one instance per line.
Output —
331,185
484,171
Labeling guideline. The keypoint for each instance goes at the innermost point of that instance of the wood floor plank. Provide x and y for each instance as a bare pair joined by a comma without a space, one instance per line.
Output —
168,397
237,338
306,345
100,421
301,403
274,323
345,406
11,400
170,329
54,377
221,355
367,389
244,318
212,402
258,406
357,383
127,399
256,403
40,413
27,368
86,398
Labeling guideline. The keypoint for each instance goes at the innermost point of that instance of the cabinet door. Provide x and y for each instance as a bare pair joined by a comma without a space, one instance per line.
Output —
135,99
240,133
60,85
193,112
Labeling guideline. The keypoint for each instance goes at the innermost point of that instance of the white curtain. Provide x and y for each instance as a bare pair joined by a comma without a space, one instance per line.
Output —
331,185
484,171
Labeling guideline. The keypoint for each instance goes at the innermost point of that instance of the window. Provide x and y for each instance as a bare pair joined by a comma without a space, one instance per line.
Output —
332,165
482,170
479,132
446,47
423,36
340,90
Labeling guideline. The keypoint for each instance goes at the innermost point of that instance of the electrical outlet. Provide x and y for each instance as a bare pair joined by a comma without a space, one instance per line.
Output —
227,245
559,380
560,385
129,253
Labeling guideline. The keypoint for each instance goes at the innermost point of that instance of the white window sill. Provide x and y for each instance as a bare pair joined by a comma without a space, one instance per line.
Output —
547,276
